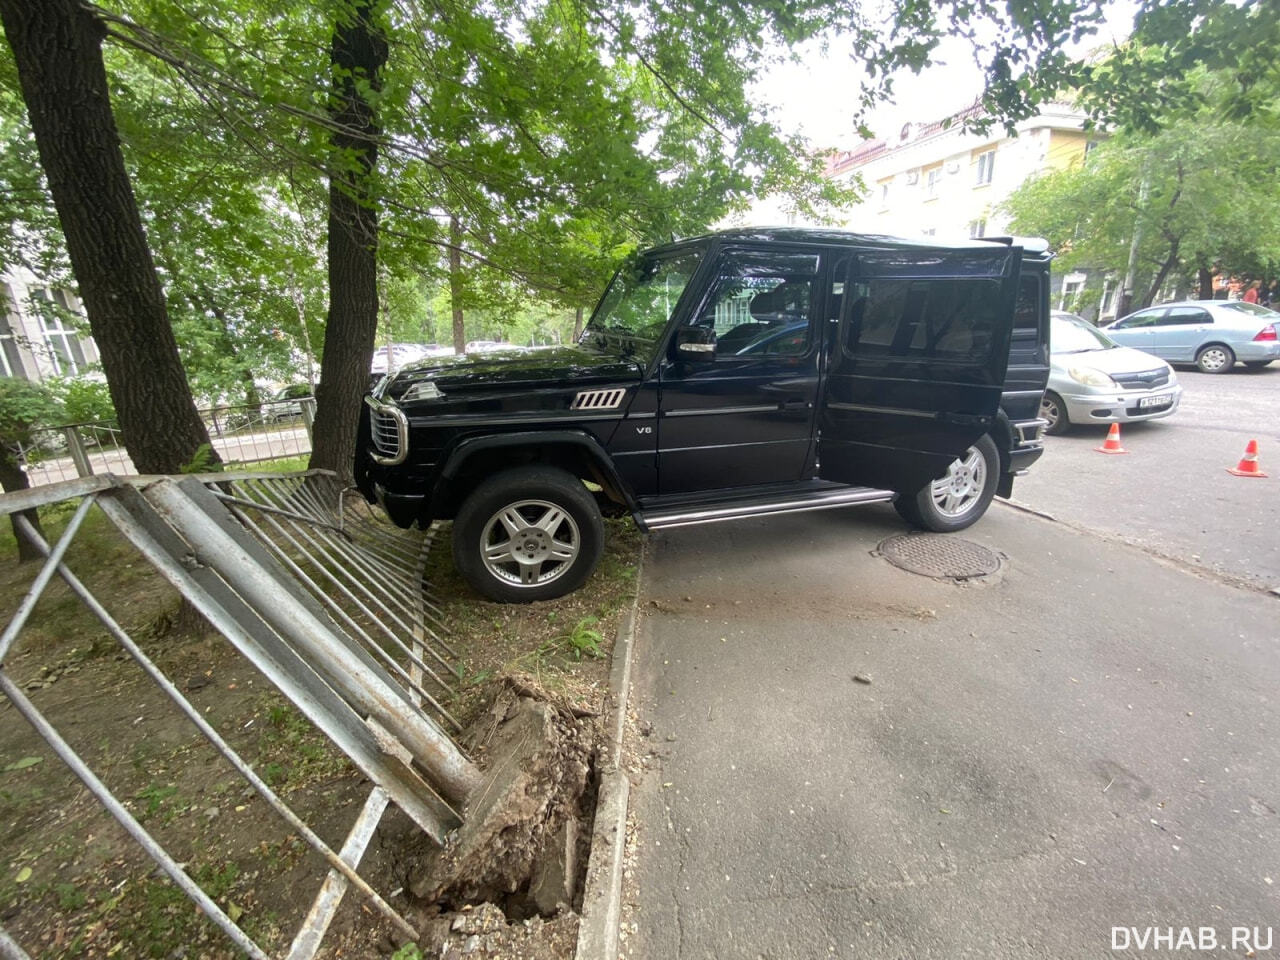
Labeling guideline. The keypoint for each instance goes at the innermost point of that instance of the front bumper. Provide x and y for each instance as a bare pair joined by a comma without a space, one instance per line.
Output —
1123,406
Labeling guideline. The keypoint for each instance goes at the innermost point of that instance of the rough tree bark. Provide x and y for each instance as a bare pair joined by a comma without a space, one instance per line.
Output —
12,479
57,48
1204,280
577,325
357,54
455,285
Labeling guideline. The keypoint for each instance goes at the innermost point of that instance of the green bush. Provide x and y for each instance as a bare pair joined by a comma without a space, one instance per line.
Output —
26,407
85,401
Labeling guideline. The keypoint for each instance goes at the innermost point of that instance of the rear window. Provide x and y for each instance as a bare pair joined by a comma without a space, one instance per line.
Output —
950,319
1250,308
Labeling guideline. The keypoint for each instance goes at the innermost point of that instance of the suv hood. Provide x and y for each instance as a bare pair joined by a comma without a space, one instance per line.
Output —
504,370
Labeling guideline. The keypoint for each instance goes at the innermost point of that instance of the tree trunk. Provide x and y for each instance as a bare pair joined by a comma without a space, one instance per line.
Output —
577,325
455,285
358,52
1169,263
1205,281
12,479
57,48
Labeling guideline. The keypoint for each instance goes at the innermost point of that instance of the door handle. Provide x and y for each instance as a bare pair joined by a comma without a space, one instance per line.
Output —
794,406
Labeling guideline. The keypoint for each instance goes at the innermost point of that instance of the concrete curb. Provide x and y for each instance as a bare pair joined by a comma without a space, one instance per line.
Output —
602,897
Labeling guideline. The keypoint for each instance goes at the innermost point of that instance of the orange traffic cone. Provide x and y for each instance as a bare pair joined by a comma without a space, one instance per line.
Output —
1248,465
1112,444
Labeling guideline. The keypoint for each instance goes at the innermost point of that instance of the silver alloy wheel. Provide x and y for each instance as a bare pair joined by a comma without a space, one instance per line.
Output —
961,489
1049,412
1213,359
529,543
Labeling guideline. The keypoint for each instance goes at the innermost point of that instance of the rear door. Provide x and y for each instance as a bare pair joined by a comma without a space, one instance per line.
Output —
918,362
1179,332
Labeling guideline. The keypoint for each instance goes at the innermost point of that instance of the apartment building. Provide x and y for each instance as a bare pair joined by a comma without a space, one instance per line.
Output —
41,330
940,179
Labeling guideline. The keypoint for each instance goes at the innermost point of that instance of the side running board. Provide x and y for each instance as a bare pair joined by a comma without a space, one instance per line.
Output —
661,519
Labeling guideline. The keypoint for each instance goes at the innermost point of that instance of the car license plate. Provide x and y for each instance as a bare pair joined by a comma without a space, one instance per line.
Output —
1161,401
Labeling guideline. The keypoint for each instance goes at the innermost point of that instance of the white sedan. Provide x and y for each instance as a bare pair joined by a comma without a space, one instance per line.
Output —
1092,379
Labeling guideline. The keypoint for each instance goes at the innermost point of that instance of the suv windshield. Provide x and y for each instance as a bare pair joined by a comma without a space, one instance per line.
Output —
1076,336
636,307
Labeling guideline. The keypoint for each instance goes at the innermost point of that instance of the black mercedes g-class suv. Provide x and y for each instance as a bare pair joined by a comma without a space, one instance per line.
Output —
743,373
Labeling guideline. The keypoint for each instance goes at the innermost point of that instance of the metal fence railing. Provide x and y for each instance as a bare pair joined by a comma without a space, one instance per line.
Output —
324,601
241,435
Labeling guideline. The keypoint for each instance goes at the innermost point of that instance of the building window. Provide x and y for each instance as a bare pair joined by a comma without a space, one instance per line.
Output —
986,167
884,194
977,228
933,176
62,344
1070,290
10,357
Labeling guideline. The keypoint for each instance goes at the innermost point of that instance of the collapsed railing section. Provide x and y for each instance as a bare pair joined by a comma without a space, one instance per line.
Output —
327,603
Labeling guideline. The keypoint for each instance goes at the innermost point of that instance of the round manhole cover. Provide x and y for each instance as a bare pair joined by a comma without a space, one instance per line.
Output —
940,555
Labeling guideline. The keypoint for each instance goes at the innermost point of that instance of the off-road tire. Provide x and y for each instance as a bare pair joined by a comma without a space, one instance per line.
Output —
540,564
977,473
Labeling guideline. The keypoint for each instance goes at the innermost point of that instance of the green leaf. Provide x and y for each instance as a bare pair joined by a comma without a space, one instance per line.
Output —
23,763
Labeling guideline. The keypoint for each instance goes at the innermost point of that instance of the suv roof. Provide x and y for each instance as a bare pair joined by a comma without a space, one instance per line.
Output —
1032,246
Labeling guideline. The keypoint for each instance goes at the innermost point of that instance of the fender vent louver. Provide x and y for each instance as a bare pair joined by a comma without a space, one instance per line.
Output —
598,400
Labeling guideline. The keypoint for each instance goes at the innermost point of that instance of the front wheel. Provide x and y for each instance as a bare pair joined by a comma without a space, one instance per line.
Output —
532,533
958,498
1054,412
1215,358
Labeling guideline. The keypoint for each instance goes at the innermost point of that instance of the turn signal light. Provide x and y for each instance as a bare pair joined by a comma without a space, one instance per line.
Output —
1267,333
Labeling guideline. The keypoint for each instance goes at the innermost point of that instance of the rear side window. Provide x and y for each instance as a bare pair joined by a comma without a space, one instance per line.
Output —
1026,313
944,318
1185,316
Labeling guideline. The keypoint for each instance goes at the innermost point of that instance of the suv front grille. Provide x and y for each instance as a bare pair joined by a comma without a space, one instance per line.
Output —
390,433
1142,380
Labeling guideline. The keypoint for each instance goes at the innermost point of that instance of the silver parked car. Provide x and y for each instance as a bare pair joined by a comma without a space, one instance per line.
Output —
1093,379
1212,334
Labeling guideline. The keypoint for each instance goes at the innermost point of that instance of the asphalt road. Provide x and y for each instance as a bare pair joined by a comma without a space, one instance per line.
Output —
1171,493
1087,743
1048,764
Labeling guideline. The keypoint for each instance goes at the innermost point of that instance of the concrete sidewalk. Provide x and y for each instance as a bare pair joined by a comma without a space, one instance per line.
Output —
1088,742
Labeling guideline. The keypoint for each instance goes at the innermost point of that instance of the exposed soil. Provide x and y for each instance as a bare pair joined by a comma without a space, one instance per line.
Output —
73,884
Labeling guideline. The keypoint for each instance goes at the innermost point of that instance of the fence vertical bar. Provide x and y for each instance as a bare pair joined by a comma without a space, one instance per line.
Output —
308,405
79,456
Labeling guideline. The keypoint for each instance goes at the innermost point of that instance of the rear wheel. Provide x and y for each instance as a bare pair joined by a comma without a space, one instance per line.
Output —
1215,358
958,498
532,533
1053,410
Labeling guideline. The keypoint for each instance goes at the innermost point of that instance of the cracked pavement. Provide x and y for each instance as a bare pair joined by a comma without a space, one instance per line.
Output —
1085,740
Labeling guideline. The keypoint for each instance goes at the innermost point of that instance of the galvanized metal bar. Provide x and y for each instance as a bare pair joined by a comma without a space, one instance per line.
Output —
20,616
9,950
75,447
347,672
265,508
228,753
126,820
337,608
281,665
334,888
257,548
47,493
411,587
